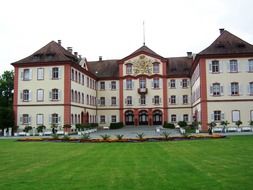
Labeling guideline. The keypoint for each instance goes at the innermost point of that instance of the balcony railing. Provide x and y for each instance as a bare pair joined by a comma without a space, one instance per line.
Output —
142,90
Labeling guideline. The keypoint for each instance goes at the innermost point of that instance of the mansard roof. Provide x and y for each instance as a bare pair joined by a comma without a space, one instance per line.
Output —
228,43
50,52
179,66
104,68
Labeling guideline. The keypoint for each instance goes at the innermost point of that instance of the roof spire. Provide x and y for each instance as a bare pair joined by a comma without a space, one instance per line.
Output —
143,33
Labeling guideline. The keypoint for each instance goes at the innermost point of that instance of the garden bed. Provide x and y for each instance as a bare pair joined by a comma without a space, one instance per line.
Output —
124,140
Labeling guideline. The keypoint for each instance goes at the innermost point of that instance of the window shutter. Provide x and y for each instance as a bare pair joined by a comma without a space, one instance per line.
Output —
153,100
21,95
50,119
22,75
50,95
228,67
132,84
222,90
50,73
169,84
59,70
169,100
248,87
110,85
211,90
247,67
59,119
20,119
59,95
125,86
229,90
30,74
220,67
29,119
152,84
222,116
210,67
98,101
117,85
188,83
30,95
212,116
139,101
160,83
125,100
181,83
176,83
241,89
160,100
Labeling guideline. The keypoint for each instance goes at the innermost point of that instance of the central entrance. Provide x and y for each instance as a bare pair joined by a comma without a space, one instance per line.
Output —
157,117
129,118
143,117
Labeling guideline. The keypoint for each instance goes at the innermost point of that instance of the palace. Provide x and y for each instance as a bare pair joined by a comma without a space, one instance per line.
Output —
56,86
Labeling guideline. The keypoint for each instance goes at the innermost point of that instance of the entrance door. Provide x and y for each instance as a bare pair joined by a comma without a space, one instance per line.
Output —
157,117
143,118
129,118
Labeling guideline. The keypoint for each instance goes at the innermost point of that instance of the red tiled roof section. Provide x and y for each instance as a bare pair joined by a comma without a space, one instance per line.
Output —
104,68
145,49
50,52
179,66
227,43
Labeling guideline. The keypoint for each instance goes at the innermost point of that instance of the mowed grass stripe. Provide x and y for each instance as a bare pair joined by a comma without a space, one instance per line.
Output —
200,164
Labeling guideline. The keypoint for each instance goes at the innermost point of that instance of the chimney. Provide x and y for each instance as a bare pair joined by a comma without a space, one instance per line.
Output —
59,42
69,49
189,54
221,30
75,53
100,58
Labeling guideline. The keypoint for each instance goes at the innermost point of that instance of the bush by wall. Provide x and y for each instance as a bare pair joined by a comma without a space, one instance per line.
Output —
169,125
117,125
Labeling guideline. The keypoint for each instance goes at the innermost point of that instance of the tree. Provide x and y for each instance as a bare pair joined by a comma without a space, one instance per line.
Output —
6,89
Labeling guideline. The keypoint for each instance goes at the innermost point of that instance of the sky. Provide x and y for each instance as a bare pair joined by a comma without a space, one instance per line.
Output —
113,29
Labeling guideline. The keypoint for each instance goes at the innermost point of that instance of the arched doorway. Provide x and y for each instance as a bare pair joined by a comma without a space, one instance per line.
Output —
143,117
87,117
129,117
157,117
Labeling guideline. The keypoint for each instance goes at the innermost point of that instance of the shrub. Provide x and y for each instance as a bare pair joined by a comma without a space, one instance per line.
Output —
85,136
238,123
93,125
105,137
212,124
67,126
140,135
79,127
166,135
251,123
27,129
224,123
55,136
182,124
41,128
66,137
119,137
169,125
117,125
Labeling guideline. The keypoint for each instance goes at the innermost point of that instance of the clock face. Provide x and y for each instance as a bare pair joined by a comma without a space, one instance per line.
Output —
142,65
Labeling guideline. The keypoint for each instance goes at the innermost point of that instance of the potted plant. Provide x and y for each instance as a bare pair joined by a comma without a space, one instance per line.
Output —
27,129
224,124
238,123
195,125
40,129
211,126
67,128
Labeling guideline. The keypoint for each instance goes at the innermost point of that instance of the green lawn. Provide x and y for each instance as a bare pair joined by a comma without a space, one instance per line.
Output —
200,164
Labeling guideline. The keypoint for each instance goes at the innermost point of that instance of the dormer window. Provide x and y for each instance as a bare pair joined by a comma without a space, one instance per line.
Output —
49,56
155,67
129,68
37,57
240,45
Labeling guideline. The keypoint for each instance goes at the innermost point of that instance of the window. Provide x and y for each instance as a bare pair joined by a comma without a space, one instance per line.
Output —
235,115
129,100
114,119
102,85
82,98
40,74
155,67
27,74
185,99
233,65
234,88
39,119
102,101
250,88
55,73
215,67
87,99
185,83
88,82
113,85
40,95
26,95
102,119
55,94
142,83
172,83
72,74
76,76
129,68
251,65
216,89
251,115
156,100
143,100
173,99
25,119
156,83
185,117
82,79
79,97
173,118
129,84
217,116
113,101
55,118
